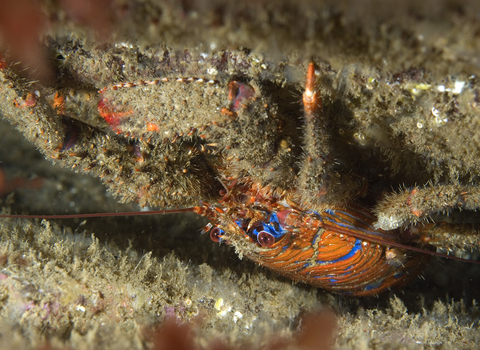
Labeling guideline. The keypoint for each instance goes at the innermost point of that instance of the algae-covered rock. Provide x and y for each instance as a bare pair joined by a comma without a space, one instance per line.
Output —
400,99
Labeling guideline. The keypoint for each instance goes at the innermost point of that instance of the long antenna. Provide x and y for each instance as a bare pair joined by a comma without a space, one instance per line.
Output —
97,215
191,209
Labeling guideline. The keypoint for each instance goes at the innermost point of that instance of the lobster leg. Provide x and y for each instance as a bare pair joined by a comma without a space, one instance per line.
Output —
319,182
313,173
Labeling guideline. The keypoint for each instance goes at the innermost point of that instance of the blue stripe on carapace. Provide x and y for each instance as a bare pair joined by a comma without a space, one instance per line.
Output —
341,222
320,218
272,226
274,219
373,285
356,218
352,252
328,211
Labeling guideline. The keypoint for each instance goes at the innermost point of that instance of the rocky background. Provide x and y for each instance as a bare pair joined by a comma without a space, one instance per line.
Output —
403,73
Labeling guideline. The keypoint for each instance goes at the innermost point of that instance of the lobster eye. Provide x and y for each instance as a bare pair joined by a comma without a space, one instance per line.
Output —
216,234
265,239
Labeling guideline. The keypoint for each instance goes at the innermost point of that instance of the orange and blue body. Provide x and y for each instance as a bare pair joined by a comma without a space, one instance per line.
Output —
337,250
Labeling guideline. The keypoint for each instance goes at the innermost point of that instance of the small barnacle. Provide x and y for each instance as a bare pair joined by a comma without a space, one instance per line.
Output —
417,89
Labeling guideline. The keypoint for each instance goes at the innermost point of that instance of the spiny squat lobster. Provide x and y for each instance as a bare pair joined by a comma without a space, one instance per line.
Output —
335,249
294,232
291,231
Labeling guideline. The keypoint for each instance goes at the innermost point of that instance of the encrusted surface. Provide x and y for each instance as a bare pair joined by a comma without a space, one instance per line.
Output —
400,107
